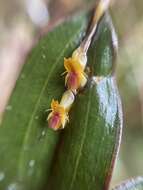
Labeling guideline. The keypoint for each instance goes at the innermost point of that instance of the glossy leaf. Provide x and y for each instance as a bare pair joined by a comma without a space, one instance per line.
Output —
88,146
26,143
132,184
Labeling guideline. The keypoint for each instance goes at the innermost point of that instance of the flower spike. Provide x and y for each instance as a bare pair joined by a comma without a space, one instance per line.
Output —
75,73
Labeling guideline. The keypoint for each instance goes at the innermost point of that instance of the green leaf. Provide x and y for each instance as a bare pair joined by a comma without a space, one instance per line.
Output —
132,184
103,52
26,143
88,146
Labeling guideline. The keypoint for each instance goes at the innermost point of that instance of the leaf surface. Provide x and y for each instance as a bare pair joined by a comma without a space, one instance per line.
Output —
26,143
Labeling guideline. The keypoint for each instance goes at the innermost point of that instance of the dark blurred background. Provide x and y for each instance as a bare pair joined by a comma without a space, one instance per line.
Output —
23,21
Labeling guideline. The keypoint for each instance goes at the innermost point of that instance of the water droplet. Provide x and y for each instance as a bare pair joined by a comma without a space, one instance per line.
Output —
43,133
22,76
43,47
8,107
25,148
2,176
31,163
36,117
15,186
12,186
43,56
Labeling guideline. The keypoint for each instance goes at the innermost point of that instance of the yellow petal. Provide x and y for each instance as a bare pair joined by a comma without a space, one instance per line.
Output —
76,66
80,56
73,65
68,64
64,120
54,104
83,81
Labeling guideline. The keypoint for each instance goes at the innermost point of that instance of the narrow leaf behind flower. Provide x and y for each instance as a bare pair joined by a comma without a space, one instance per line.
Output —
26,142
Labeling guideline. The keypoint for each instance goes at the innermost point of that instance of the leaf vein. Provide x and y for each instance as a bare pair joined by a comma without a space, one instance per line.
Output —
82,142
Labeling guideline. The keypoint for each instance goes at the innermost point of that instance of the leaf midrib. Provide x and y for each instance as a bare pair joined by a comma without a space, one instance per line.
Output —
82,141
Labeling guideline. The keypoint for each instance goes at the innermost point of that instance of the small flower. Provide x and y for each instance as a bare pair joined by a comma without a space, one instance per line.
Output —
76,76
58,117
59,111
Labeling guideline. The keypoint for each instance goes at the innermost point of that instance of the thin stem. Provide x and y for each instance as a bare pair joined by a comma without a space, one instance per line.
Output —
98,13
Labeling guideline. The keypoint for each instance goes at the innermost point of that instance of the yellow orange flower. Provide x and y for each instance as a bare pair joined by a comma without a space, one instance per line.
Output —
58,117
76,76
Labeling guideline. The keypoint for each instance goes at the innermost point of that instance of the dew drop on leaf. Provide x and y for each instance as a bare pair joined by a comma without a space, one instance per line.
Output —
2,176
